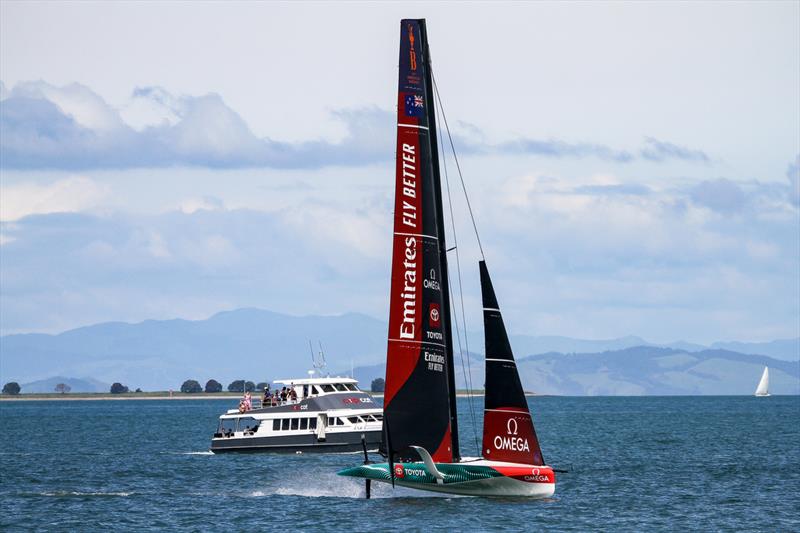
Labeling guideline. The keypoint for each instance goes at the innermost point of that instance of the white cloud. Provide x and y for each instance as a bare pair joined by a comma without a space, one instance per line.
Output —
67,195
85,106
208,203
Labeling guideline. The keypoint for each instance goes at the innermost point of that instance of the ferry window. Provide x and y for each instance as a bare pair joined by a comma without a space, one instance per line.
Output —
340,387
328,388
378,417
295,423
228,424
305,391
312,423
340,422
331,421
247,422
276,425
353,419
304,423
285,424
351,387
317,390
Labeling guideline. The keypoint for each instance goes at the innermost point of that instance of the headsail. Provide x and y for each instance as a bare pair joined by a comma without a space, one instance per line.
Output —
417,409
763,385
508,433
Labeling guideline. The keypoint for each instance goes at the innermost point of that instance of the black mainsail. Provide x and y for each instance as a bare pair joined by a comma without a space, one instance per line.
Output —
419,401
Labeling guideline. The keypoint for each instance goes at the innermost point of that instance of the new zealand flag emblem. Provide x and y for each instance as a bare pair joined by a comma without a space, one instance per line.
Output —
414,105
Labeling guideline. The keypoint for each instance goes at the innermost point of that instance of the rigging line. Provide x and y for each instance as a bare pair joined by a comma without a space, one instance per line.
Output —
465,369
458,166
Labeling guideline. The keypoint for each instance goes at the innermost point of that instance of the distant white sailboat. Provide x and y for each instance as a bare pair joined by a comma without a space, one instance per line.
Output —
763,385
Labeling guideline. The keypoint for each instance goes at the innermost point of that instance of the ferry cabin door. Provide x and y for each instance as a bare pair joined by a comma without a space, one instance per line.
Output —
322,422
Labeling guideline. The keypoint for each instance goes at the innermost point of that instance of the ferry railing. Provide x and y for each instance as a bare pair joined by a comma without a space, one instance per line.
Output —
258,403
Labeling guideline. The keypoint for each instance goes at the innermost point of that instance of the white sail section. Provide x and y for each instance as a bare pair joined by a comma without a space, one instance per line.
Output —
763,385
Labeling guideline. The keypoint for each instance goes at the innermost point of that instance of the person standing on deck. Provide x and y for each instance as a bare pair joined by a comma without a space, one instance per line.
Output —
266,398
248,401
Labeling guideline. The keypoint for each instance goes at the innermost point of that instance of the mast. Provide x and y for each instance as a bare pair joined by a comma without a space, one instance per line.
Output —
437,187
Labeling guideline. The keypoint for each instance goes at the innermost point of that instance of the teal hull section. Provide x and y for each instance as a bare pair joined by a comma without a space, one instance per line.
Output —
415,473
468,479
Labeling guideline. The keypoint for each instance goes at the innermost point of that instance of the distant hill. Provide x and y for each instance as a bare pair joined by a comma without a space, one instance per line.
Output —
261,345
640,370
656,371
786,350
75,384
160,354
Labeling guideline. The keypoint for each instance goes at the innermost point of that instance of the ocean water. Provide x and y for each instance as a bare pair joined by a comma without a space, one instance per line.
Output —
636,464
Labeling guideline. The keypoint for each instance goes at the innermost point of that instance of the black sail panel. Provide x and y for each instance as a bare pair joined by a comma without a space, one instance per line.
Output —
508,432
416,401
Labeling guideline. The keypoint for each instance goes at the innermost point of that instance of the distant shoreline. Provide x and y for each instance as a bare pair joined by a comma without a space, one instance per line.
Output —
159,395
71,397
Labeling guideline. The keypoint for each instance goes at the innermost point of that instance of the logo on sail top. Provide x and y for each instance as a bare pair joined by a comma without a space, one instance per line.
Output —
415,105
412,55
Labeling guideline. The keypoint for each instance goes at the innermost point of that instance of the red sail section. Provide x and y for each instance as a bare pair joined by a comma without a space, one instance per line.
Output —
405,310
508,433
416,403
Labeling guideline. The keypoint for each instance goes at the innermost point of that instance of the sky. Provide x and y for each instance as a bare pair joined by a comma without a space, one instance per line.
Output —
633,167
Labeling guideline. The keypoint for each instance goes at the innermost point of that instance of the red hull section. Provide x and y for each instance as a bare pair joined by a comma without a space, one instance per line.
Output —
528,474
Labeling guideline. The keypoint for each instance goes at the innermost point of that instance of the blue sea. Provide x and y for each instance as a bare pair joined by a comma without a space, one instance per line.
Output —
635,464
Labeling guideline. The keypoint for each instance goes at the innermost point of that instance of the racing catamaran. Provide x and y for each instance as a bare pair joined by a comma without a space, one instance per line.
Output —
420,425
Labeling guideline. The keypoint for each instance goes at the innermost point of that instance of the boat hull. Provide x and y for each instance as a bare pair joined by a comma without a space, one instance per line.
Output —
479,478
333,443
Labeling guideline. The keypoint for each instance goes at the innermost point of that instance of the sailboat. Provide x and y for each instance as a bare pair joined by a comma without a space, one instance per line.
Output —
420,424
763,385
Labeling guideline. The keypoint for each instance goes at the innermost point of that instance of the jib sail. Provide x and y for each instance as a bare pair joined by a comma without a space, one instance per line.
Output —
508,433
417,408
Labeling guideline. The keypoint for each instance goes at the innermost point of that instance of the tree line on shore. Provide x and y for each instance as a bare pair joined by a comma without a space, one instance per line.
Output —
212,385
12,388
190,386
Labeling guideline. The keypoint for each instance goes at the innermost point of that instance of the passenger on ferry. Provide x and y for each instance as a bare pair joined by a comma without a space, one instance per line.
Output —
248,401
266,398
293,394
283,394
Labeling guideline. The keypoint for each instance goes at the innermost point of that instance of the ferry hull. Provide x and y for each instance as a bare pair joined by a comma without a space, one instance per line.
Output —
334,443
481,478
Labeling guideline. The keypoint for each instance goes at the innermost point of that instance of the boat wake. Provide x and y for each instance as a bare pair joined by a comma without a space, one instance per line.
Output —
325,486
71,493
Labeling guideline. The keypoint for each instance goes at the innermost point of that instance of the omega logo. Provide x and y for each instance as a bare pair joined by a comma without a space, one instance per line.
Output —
512,424
512,441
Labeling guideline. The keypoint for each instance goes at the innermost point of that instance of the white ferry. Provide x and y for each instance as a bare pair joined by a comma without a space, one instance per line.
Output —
330,415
